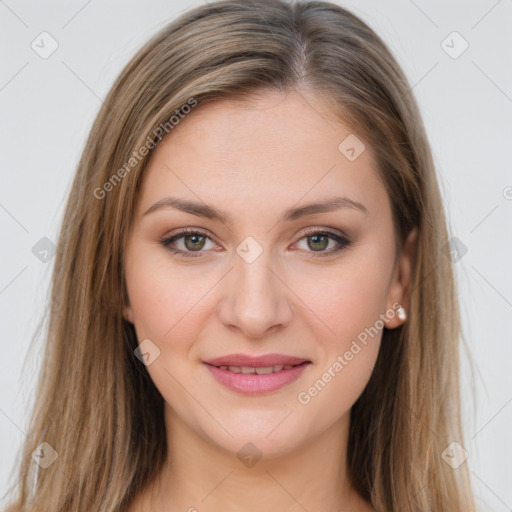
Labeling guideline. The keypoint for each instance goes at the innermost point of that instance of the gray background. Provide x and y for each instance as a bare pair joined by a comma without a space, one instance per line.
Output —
48,106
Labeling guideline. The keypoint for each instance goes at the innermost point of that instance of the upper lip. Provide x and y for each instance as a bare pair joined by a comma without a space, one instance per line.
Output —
256,361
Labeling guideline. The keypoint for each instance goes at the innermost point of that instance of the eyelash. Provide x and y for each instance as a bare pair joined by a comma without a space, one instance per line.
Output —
342,240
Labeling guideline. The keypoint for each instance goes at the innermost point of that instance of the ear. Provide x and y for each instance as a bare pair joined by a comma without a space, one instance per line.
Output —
400,287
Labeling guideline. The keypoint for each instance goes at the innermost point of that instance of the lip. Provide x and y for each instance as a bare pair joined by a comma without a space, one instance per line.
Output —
255,361
253,383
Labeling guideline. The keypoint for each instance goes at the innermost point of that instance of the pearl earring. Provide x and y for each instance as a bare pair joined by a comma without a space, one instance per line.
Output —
401,314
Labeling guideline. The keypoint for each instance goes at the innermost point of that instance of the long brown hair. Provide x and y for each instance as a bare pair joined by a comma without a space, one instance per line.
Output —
96,405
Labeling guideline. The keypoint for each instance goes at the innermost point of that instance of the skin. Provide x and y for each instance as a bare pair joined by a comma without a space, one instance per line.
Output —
255,159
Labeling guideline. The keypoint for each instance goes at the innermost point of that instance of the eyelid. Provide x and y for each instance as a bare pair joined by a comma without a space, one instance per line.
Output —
177,234
329,231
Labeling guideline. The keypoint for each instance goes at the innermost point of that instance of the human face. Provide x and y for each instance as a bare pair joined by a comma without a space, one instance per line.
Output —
259,285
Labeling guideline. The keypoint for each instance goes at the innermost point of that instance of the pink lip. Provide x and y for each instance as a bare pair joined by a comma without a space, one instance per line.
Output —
252,383
255,361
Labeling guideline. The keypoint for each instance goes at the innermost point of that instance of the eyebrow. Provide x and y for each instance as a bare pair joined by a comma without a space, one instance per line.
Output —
208,212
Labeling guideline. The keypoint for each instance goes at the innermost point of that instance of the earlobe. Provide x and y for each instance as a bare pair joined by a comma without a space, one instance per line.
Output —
395,316
400,289
128,314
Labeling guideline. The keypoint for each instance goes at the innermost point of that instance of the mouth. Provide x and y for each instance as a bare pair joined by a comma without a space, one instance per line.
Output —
258,376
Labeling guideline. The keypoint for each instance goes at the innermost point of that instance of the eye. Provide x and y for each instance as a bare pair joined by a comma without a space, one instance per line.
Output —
318,240
194,242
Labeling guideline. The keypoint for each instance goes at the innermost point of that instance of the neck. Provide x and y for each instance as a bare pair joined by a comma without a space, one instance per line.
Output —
201,476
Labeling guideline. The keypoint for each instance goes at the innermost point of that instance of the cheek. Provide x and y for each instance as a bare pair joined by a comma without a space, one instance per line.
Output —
344,300
165,298
334,389
347,304
168,310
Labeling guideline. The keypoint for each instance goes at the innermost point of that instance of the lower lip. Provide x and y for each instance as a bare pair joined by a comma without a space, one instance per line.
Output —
254,384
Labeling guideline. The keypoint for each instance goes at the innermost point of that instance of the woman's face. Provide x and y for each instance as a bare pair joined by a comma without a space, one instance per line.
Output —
255,279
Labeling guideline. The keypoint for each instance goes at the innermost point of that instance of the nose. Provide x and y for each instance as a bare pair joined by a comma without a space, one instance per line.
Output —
255,300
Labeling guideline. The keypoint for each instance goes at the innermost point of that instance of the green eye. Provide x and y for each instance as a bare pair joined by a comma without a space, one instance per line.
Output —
195,241
318,241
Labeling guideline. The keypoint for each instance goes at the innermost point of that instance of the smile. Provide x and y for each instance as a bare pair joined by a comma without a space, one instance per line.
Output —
259,380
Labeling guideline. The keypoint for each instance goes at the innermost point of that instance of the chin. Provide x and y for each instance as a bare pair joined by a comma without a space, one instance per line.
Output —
270,434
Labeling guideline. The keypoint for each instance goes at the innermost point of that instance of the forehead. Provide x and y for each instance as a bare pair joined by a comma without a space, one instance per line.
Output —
273,146
269,121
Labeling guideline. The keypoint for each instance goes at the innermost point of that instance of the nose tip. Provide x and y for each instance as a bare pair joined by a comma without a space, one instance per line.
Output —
255,301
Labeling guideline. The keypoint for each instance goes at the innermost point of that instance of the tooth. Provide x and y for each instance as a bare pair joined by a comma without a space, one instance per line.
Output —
262,370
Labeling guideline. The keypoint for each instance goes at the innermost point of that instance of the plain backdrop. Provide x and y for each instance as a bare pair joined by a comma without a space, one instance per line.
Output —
48,106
